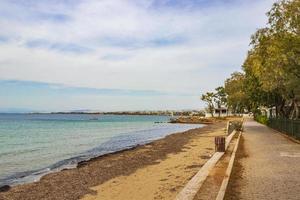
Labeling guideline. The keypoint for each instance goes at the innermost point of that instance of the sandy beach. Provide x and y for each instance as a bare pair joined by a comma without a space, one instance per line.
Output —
154,171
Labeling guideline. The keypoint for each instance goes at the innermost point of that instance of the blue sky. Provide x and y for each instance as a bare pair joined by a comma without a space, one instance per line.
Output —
120,54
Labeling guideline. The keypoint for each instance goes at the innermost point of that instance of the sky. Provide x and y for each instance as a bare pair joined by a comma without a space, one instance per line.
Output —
115,55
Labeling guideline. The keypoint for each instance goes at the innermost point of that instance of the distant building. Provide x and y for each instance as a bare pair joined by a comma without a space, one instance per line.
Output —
223,112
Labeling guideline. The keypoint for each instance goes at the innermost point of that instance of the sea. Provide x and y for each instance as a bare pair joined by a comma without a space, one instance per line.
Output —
33,145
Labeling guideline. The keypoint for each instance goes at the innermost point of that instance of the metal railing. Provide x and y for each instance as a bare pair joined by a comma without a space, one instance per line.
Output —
287,126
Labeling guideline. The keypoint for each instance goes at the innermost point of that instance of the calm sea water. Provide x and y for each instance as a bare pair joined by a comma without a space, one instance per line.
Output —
32,145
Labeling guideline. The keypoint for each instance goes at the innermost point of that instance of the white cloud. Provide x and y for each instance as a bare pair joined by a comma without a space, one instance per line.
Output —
188,50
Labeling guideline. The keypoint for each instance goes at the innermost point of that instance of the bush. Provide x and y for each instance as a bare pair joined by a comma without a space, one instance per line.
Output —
261,119
238,125
235,125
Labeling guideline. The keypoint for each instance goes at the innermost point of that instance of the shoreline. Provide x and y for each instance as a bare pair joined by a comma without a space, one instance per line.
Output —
34,176
75,183
5,187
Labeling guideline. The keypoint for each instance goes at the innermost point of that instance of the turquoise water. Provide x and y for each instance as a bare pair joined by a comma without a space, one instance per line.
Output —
32,145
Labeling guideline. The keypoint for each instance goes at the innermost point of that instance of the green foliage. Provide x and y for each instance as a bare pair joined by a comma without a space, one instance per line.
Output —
215,99
261,119
271,75
237,125
209,99
220,97
237,98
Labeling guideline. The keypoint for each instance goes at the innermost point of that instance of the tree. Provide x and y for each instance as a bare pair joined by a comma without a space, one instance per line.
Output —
209,99
236,95
220,98
273,63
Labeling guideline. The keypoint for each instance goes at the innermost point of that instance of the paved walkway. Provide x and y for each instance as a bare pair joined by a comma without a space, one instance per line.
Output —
271,166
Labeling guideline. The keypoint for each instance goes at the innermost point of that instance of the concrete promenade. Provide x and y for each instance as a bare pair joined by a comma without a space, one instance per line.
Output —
267,167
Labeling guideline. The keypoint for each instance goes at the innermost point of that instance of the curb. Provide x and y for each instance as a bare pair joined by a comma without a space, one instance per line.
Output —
222,191
193,186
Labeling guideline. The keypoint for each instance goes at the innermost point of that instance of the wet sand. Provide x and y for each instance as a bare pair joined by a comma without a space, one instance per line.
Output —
154,171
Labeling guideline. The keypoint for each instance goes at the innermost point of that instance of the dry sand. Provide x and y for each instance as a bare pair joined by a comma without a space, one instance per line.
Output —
164,179
154,171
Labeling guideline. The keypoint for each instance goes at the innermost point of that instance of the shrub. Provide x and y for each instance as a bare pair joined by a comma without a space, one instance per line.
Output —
238,125
261,119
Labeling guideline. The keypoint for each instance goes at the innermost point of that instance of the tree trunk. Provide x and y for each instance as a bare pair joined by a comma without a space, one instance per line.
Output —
295,112
281,108
297,109
276,113
212,110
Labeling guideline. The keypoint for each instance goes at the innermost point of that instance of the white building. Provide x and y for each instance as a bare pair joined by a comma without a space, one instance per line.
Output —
223,112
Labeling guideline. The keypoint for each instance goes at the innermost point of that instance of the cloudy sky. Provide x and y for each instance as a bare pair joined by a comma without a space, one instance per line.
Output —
120,54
